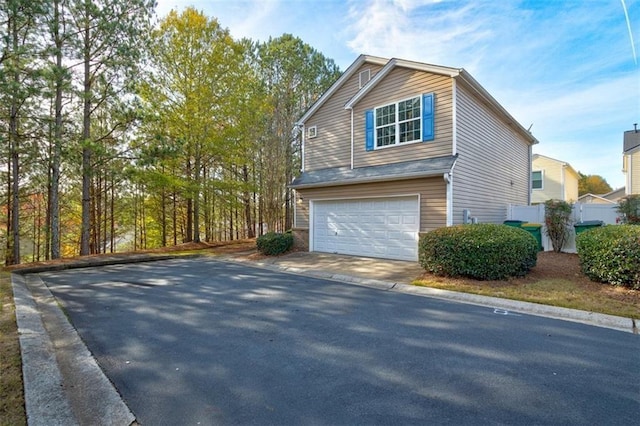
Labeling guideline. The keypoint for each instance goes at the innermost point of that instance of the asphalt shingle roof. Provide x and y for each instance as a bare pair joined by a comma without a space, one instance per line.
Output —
397,171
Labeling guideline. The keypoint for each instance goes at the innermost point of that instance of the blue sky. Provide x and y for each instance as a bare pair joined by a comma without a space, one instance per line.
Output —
569,69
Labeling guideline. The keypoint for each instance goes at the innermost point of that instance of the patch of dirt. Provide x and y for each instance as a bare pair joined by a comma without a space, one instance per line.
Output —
552,265
224,247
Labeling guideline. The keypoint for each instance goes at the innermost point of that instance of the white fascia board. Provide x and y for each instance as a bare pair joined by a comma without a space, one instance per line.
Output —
395,62
351,70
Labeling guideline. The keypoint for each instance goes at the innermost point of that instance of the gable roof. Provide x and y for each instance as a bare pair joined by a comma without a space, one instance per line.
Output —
460,74
427,167
589,196
564,163
341,81
616,194
631,140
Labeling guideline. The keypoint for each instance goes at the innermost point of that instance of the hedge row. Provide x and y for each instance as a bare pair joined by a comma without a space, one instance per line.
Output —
481,251
611,254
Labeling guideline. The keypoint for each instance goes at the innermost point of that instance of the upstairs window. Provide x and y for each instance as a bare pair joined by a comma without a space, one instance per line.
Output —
398,122
536,179
406,121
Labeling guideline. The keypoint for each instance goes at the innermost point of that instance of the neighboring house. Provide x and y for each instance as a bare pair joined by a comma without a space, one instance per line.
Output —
594,199
615,195
552,179
631,161
395,148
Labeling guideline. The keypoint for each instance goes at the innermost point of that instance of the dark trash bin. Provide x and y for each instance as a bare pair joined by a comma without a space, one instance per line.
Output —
534,229
586,225
514,223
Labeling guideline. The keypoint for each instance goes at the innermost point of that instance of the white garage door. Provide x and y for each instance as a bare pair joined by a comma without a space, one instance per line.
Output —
376,227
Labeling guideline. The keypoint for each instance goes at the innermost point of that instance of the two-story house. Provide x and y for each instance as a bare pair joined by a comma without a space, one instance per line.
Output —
631,161
553,179
395,148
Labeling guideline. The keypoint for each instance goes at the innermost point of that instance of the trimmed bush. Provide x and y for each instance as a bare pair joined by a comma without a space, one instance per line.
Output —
611,254
481,251
273,243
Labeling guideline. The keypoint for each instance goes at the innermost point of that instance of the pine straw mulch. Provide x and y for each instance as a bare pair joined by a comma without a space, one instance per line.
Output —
551,266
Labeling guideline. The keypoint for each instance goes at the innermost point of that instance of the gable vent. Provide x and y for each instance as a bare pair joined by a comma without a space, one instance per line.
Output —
365,76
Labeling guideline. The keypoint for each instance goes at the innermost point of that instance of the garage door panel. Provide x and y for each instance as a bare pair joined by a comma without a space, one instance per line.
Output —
386,227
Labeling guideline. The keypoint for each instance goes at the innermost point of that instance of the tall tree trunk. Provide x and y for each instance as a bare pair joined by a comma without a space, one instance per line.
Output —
189,232
196,199
113,216
246,197
175,218
86,140
54,201
15,156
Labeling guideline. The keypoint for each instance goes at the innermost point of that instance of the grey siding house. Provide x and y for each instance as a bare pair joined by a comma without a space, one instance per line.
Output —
395,148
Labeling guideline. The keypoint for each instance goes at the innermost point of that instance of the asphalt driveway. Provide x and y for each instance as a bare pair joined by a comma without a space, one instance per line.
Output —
198,341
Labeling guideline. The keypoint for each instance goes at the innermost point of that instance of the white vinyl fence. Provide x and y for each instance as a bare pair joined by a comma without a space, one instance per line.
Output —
607,213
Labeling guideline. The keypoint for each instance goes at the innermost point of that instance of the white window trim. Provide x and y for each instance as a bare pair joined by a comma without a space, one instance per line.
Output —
541,179
397,124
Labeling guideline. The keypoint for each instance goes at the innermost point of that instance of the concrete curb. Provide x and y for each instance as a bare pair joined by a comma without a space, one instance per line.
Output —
62,380
63,384
591,318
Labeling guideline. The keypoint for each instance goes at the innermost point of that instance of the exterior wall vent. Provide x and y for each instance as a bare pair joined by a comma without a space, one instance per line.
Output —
365,76
312,132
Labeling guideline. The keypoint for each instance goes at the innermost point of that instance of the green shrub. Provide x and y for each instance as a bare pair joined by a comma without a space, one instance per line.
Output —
273,243
557,217
481,251
629,208
611,254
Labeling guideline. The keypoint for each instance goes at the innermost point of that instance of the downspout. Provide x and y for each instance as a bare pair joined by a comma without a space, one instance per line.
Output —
351,110
530,178
448,178
562,182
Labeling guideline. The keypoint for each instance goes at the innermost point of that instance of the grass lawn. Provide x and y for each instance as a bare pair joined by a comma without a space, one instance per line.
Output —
11,396
556,280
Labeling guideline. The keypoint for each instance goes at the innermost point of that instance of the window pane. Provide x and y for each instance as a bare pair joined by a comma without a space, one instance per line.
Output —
536,180
385,135
410,131
408,110
385,115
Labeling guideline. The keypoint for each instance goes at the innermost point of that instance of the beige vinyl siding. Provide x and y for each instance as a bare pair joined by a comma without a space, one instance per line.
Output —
559,181
401,84
332,146
571,180
432,193
634,166
492,169
551,182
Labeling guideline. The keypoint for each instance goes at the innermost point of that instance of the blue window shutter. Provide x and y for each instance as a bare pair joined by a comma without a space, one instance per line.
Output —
368,129
428,128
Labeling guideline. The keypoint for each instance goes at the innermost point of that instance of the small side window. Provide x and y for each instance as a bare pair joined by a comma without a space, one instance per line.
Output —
312,132
536,179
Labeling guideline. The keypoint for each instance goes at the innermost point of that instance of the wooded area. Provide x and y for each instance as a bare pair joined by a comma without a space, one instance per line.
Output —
118,134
